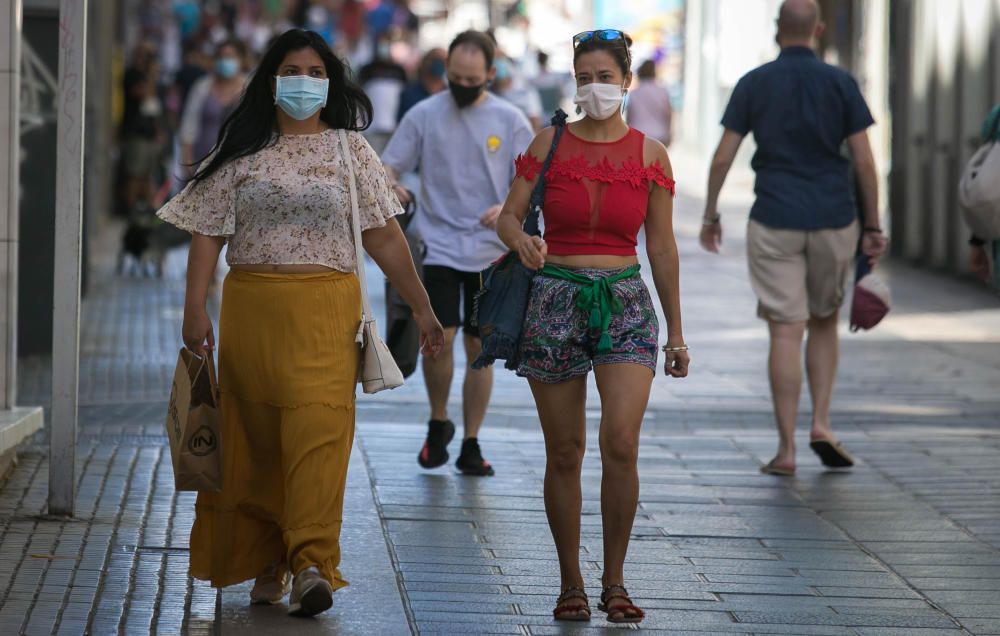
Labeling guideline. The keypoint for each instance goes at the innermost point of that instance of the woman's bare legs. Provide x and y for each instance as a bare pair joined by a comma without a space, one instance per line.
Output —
562,411
624,390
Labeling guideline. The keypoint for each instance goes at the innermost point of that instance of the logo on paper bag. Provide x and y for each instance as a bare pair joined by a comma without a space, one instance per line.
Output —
203,442
172,415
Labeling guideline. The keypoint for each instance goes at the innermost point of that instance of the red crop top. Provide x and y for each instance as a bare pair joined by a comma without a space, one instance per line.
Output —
596,194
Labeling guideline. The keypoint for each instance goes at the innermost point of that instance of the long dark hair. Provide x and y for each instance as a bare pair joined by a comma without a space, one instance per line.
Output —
250,128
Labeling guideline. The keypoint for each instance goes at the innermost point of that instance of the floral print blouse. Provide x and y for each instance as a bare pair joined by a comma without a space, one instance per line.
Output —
290,203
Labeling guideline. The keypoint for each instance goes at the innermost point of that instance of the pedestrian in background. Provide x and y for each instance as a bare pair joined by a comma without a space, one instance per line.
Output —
389,14
550,85
590,309
383,80
510,86
431,79
212,99
464,143
275,188
143,129
648,107
985,251
195,65
803,229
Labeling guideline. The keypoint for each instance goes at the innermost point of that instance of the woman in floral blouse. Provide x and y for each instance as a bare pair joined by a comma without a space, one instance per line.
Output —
275,187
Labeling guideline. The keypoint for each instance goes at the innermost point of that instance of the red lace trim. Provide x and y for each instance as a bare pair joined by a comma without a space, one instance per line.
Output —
660,178
527,166
578,168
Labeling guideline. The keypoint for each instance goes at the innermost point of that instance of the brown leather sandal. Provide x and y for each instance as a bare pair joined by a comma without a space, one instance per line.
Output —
581,611
619,591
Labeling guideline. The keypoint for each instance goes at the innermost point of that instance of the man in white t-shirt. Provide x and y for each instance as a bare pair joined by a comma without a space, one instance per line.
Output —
464,142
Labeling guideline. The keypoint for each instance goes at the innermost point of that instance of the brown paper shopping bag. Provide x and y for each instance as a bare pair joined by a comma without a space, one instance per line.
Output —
194,424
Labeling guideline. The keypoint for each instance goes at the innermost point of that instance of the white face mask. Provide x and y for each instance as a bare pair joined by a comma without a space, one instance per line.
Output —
599,101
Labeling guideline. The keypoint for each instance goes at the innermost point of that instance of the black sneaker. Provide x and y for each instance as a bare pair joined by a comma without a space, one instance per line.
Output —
435,450
471,461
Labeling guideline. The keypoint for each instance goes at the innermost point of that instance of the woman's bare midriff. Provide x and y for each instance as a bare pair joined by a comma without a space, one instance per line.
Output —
595,261
283,269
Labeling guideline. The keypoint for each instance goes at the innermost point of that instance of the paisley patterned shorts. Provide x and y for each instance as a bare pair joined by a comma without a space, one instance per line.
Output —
557,344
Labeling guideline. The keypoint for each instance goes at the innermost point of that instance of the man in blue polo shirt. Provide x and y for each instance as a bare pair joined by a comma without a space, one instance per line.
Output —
803,228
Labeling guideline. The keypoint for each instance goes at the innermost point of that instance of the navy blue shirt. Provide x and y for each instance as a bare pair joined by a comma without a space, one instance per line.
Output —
800,111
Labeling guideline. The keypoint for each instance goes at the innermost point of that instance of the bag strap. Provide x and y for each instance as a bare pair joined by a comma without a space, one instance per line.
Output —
194,364
366,308
994,128
538,194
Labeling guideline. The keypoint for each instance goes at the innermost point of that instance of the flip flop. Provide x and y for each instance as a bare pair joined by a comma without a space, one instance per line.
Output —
770,469
832,454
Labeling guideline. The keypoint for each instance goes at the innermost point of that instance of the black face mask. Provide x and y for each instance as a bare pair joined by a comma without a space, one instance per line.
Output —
465,95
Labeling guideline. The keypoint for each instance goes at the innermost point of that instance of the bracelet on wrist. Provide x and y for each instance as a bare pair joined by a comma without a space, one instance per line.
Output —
711,220
669,349
975,241
876,230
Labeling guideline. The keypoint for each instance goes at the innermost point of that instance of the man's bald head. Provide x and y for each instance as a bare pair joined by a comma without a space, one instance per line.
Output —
798,19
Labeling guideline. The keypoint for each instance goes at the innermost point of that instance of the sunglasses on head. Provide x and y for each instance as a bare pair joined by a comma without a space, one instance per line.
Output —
606,35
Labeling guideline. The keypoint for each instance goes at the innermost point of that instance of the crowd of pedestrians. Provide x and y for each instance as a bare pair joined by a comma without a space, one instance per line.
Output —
189,61
458,134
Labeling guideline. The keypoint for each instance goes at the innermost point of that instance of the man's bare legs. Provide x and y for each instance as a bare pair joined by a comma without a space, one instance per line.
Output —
822,355
784,367
476,389
785,373
438,372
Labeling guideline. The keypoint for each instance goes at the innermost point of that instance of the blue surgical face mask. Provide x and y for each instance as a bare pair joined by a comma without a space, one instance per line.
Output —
227,67
503,70
300,96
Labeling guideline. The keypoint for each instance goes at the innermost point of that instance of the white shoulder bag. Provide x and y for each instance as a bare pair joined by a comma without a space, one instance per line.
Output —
979,189
378,369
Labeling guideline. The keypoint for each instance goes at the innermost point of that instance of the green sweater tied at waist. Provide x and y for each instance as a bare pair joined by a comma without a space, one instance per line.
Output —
596,295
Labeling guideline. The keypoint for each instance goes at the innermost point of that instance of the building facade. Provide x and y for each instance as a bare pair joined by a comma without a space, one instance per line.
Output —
945,59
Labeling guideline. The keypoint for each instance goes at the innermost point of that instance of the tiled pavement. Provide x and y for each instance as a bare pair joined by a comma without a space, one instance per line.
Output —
906,543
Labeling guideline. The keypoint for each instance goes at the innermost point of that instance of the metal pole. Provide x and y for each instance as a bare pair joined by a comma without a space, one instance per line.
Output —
10,164
68,242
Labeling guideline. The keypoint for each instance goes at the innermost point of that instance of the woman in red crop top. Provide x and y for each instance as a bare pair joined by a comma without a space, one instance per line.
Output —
589,308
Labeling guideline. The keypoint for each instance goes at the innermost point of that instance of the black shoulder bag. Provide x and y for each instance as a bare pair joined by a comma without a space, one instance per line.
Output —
505,285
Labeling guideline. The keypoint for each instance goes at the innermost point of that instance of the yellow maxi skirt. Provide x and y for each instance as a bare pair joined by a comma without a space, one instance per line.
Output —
288,366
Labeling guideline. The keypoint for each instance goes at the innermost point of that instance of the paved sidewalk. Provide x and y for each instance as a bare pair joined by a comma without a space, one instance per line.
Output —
906,543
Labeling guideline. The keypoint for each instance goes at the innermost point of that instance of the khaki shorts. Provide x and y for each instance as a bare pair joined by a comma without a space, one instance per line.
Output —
798,274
